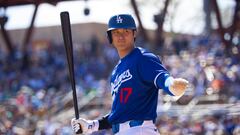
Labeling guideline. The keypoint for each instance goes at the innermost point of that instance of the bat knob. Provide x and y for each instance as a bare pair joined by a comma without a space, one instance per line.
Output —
79,131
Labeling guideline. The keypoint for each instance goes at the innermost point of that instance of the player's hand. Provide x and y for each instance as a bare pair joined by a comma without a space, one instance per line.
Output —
178,86
87,126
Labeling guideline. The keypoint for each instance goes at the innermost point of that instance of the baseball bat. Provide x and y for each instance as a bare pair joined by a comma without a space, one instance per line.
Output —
67,37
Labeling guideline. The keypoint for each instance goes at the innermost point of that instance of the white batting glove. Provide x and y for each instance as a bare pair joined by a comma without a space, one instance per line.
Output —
177,86
87,126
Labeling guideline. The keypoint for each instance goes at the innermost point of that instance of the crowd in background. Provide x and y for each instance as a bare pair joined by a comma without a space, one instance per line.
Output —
32,88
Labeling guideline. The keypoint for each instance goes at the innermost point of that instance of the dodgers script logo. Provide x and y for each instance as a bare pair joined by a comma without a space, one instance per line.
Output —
125,76
119,19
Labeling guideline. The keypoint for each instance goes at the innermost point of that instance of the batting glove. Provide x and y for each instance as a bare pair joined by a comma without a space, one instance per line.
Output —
86,126
177,86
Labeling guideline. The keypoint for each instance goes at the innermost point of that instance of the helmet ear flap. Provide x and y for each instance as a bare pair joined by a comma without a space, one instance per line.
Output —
109,37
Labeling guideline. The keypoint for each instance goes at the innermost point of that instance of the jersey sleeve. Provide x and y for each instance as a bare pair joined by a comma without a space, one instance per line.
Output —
151,70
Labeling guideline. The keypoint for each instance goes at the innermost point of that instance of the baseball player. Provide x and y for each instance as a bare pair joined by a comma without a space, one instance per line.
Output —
135,82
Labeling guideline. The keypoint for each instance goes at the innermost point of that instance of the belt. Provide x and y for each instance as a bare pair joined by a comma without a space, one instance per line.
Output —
129,124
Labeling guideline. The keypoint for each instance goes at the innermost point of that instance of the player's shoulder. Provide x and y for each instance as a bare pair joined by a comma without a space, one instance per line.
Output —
146,54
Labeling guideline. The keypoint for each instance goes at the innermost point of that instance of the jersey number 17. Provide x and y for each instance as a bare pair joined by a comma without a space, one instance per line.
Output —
124,94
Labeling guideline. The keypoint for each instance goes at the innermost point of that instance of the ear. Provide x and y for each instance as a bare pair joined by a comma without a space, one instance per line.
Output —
134,33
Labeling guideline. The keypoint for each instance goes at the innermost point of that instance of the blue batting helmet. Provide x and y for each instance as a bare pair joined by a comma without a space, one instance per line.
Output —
121,21
124,21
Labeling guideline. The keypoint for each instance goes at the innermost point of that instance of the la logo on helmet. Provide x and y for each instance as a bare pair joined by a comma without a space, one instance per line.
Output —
119,19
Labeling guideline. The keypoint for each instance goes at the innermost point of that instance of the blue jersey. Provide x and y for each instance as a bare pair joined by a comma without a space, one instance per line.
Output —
135,81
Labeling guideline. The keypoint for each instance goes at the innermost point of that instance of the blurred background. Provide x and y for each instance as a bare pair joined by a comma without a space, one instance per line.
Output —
196,39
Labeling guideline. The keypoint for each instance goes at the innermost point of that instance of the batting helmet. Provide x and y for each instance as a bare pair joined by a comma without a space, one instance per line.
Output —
121,21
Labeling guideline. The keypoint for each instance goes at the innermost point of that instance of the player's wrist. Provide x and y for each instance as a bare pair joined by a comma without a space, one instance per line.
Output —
84,126
95,125
92,126
168,83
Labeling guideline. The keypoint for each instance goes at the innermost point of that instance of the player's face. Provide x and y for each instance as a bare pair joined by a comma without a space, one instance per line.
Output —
123,39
